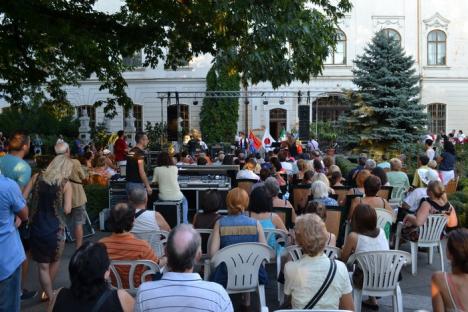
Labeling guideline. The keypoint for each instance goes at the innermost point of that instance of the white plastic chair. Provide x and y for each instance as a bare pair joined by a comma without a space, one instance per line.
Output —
243,263
300,310
381,270
398,193
384,217
429,236
332,252
281,237
156,239
295,252
150,269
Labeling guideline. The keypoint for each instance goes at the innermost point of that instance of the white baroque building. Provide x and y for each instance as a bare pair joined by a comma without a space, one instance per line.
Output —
434,32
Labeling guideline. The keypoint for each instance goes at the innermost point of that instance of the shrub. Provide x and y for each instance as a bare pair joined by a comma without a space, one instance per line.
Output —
345,165
98,199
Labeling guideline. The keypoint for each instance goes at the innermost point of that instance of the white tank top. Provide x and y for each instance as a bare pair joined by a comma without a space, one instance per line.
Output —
146,222
367,243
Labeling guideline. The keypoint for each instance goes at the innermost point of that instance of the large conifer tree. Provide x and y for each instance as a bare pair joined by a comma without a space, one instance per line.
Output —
218,117
385,109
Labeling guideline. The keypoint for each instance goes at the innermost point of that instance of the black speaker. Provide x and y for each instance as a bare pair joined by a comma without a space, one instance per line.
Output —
304,122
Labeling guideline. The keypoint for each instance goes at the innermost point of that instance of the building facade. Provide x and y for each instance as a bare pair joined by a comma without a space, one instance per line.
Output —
434,32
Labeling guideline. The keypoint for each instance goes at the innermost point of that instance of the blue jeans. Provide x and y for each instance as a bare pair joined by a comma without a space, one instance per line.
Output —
133,185
184,210
10,292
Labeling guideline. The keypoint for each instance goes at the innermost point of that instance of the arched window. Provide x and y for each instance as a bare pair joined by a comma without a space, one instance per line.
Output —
436,117
392,33
138,115
278,121
338,56
91,111
436,48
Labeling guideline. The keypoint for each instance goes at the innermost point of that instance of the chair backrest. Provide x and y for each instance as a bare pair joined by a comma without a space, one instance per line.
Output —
301,195
295,252
246,184
243,264
315,310
205,234
452,186
385,192
332,252
280,236
333,222
156,239
381,269
285,213
384,217
431,230
150,268
341,191
398,193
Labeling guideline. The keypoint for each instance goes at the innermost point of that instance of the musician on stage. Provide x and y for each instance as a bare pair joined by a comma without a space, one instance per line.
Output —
165,175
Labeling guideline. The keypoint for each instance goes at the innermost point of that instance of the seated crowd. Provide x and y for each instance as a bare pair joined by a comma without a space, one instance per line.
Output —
177,284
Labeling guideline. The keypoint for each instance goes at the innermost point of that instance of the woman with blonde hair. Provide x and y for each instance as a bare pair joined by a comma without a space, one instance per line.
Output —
304,278
51,200
318,176
436,202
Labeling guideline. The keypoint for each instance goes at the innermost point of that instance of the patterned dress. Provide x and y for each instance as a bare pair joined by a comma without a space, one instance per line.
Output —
47,221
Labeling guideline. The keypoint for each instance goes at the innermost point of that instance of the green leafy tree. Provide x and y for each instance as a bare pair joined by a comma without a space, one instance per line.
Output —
386,111
49,44
218,117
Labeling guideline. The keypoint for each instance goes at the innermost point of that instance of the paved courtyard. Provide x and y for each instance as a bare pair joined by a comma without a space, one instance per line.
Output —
416,289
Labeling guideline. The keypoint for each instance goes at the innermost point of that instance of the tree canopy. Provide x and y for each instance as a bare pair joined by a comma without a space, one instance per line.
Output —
385,109
47,44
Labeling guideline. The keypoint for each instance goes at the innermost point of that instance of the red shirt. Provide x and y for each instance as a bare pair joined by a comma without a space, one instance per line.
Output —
119,149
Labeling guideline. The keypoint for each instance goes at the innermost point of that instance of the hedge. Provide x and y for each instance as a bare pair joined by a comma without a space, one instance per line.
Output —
98,199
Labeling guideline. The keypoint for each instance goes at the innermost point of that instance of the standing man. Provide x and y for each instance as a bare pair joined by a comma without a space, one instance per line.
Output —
78,213
136,173
180,289
14,167
120,149
12,205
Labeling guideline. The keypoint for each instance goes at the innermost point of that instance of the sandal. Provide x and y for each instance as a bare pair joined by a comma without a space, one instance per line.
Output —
44,297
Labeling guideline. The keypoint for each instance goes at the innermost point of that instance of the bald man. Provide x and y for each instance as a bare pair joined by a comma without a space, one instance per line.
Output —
181,289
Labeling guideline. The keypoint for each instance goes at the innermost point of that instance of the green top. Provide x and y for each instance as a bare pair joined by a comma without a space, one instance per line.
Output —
398,179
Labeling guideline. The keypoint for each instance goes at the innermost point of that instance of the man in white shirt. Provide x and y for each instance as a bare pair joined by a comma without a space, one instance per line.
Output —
181,289
145,220
413,199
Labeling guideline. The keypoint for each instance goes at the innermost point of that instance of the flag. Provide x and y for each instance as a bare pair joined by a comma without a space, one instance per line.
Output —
255,142
282,135
267,139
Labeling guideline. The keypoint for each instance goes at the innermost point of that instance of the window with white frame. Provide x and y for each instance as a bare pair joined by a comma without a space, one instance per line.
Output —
436,117
392,33
338,55
436,48
136,60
